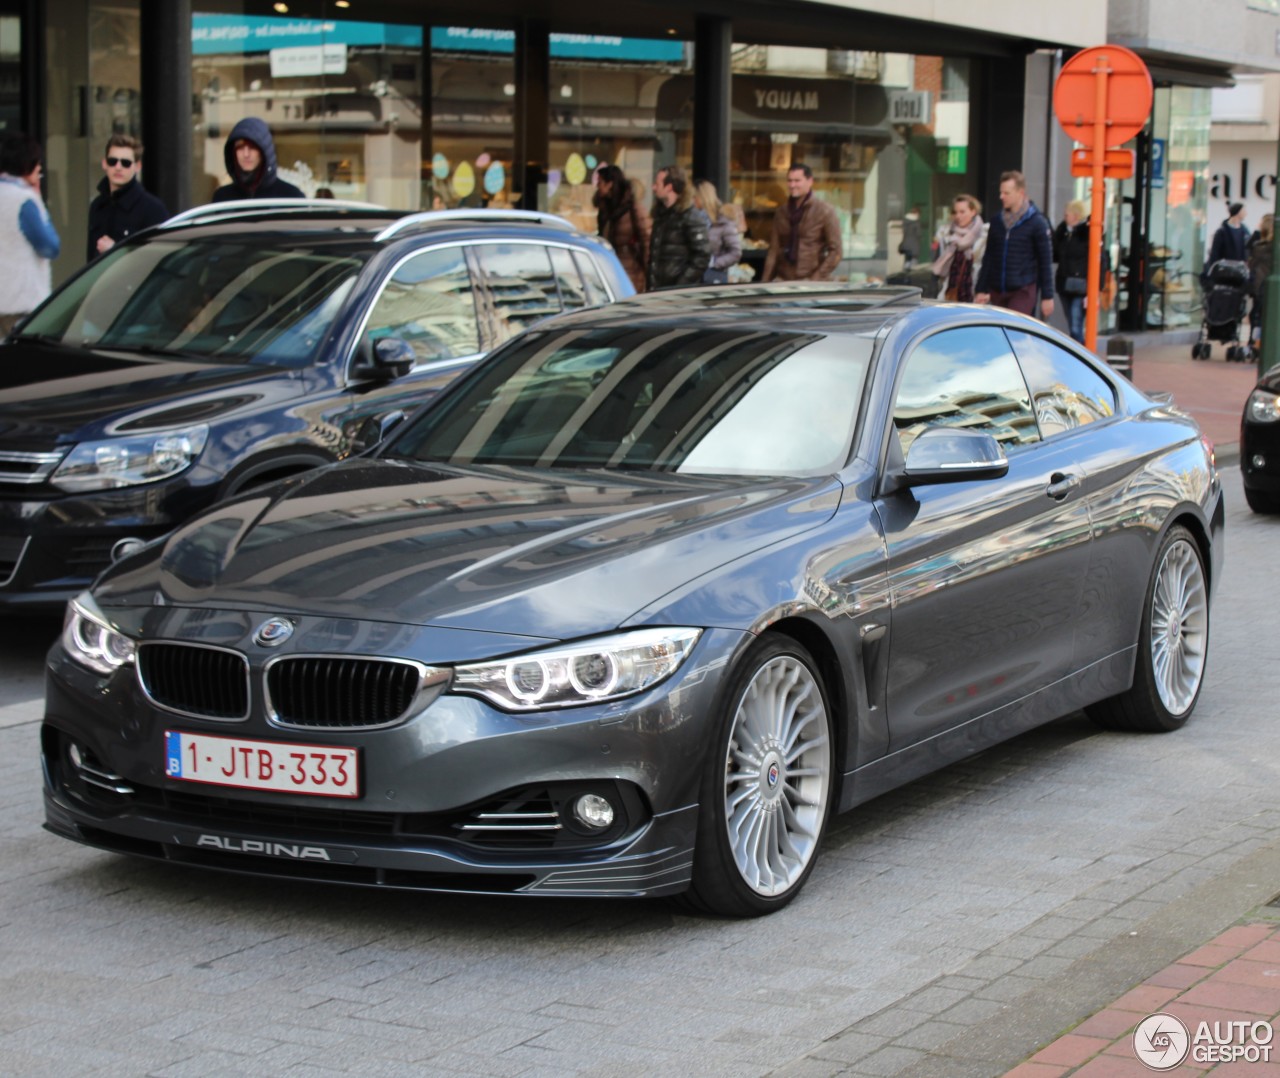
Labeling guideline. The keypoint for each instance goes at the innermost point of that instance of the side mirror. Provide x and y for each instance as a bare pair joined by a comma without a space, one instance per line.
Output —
374,430
953,455
390,358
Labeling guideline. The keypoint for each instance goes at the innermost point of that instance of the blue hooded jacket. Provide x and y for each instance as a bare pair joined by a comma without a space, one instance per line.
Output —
262,184
1019,255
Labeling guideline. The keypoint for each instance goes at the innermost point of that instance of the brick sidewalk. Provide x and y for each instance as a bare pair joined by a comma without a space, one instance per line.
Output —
1233,978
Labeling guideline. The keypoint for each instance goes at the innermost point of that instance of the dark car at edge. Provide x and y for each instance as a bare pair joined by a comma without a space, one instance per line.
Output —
642,600
242,343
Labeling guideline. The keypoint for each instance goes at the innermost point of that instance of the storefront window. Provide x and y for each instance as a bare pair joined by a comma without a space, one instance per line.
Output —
342,99
886,135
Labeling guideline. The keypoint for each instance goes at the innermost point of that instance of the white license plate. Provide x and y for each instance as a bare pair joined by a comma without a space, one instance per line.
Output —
324,770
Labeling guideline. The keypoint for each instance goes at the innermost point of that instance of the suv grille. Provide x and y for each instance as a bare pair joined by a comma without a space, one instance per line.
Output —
197,680
27,469
330,692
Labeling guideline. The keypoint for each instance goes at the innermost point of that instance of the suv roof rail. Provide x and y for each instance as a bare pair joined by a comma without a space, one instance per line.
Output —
430,217
257,205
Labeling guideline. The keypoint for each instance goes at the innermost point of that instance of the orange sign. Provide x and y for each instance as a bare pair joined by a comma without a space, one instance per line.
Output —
1125,106
1116,164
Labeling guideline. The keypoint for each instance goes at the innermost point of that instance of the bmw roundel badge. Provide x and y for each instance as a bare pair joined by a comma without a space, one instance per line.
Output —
273,632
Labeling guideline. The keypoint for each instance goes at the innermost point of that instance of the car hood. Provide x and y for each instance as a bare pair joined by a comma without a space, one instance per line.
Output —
50,394
547,554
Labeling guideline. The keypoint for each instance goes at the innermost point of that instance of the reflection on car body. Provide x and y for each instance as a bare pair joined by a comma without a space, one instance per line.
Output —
646,597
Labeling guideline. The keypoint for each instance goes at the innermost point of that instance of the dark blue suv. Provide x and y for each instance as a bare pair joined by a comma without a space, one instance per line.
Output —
242,343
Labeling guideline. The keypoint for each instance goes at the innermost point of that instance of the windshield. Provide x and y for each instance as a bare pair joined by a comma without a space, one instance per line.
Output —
705,400
235,298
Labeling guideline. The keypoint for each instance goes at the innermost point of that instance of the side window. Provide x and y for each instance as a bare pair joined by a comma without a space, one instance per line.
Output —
965,378
521,285
597,293
429,302
572,293
1066,391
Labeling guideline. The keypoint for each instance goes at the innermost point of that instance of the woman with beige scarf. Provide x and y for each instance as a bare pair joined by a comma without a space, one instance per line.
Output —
960,244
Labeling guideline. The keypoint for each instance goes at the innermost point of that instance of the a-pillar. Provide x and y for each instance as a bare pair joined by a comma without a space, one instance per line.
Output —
166,100
712,98
533,122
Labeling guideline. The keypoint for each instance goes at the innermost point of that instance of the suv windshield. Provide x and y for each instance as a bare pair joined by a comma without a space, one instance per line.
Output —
705,400
240,299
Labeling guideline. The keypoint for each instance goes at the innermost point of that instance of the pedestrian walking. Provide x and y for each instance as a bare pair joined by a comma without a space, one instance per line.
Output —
622,221
909,248
250,156
960,249
1019,254
1071,253
1261,246
679,248
805,244
28,241
723,234
123,206
1230,242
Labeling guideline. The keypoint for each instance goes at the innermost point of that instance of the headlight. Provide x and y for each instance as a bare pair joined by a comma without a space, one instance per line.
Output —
587,673
125,462
1263,407
91,641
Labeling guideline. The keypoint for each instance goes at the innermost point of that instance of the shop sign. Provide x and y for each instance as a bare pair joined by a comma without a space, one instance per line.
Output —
222,34
308,60
909,107
788,101
563,46
953,159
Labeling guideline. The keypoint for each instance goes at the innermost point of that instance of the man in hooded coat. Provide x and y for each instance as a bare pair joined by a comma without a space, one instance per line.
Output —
250,155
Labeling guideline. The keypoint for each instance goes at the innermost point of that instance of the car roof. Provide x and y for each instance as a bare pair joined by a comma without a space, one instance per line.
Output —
360,221
793,307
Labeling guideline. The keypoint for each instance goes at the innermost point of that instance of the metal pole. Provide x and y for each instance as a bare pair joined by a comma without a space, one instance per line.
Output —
1098,208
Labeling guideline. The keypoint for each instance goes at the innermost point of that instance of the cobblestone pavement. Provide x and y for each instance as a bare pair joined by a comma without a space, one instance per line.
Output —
952,928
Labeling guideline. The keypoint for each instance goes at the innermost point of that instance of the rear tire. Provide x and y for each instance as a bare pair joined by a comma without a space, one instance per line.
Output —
1173,644
766,787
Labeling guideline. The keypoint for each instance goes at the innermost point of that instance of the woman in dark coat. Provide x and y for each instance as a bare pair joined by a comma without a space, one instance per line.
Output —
623,222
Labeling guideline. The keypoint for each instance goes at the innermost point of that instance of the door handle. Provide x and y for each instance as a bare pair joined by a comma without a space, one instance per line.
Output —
1060,485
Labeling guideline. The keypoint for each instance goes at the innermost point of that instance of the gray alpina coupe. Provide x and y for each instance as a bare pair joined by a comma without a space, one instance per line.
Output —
643,599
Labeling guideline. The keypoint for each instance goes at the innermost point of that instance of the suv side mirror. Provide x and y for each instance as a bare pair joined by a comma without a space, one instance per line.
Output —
953,455
374,430
390,358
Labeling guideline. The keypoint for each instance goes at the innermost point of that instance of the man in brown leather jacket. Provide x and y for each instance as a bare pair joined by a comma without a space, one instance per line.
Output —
805,245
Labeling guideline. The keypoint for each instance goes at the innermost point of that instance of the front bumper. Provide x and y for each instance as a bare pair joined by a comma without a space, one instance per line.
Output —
457,760
52,548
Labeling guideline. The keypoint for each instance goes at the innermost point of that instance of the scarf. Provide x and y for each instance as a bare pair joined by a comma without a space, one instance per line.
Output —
957,239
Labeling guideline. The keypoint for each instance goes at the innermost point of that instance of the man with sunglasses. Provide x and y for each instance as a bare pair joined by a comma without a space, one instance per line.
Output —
123,205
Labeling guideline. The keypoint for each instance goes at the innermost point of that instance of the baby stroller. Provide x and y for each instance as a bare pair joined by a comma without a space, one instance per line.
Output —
1225,300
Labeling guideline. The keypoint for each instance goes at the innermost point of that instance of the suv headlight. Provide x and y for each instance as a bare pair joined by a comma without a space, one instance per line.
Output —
1263,407
128,461
91,641
590,672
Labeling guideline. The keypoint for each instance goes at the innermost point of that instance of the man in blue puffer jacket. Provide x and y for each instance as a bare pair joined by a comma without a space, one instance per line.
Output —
1019,258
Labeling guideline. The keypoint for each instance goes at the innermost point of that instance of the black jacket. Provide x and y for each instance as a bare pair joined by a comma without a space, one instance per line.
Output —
1071,252
679,247
263,184
120,215
1230,243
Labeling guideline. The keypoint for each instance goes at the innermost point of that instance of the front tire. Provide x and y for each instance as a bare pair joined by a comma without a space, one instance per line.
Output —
767,785
1173,644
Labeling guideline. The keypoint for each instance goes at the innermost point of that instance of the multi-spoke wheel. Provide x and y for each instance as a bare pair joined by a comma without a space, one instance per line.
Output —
1173,644
767,787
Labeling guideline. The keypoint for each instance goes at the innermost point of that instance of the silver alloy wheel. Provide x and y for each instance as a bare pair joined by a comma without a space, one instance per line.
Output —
777,775
1179,627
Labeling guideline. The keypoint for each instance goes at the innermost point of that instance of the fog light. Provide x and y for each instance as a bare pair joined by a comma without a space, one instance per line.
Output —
125,547
1259,461
593,812
73,754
